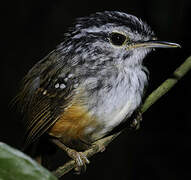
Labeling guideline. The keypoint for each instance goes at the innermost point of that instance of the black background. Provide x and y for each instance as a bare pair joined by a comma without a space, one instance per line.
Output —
161,148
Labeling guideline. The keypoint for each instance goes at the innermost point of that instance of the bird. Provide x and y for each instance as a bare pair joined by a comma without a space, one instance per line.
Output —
90,84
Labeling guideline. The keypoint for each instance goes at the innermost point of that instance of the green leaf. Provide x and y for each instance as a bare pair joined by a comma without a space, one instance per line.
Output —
15,165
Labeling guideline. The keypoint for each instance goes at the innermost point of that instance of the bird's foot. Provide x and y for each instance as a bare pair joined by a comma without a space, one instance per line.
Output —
80,159
137,120
101,148
98,147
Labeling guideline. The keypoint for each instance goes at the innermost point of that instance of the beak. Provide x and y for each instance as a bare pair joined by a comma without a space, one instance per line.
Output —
156,44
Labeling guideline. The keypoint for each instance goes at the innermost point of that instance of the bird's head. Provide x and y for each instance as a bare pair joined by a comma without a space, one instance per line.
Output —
113,38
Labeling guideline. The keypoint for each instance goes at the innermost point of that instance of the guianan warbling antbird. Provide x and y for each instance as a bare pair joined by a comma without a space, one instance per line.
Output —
89,84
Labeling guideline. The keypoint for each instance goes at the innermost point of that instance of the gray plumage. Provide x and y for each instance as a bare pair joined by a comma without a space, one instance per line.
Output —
102,55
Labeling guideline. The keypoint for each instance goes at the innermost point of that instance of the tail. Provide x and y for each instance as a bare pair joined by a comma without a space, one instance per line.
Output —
40,151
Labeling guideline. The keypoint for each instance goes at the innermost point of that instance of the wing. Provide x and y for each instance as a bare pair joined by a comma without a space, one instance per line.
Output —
44,94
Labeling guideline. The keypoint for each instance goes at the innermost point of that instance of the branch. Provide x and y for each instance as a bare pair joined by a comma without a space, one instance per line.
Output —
167,85
150,100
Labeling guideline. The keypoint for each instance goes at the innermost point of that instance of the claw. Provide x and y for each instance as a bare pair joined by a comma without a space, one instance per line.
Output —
84,158
136,122
80,159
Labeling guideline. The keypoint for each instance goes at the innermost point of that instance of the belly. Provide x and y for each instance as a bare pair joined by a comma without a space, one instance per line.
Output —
110,117
78,128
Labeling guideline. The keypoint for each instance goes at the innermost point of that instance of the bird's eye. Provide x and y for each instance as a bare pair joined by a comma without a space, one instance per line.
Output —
117,39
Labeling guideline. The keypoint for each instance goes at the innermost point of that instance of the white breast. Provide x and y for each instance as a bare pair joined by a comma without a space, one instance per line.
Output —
120,102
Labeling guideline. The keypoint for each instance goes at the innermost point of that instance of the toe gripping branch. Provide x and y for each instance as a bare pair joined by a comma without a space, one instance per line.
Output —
80,159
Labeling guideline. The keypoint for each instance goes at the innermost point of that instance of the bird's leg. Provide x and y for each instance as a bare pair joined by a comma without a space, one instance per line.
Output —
137,120
80,159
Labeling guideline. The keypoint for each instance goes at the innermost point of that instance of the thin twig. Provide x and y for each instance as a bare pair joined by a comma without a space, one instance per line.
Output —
167,85
150,100
60,171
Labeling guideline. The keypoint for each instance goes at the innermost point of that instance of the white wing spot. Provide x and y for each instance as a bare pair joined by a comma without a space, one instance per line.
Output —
57,85
44,92
62,86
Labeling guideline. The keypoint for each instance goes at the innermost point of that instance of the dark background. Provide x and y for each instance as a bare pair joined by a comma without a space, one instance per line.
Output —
161,148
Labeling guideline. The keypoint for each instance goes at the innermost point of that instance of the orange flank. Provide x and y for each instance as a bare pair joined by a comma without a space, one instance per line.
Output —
72,124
